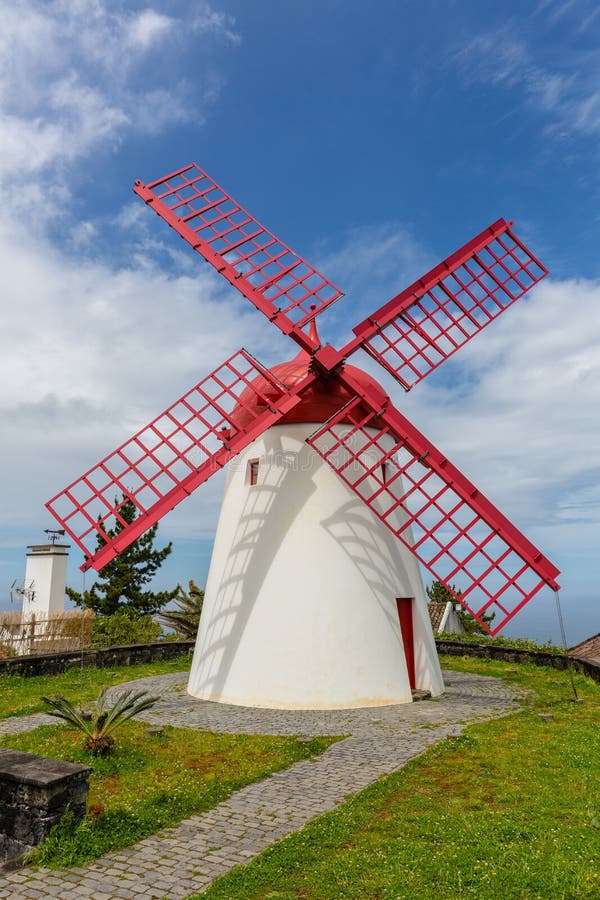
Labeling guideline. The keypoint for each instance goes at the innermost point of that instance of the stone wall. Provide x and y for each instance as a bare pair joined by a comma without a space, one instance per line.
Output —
34,795
105,657
520,655
99,658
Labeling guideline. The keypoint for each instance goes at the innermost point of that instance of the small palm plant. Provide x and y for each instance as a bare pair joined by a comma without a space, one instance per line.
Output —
186,618
104,720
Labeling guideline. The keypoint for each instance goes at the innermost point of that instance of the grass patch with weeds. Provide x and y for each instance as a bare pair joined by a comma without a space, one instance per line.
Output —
21,695
149,782
507,810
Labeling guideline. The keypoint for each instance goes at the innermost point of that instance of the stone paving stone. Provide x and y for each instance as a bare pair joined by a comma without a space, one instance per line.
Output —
184,859
19,724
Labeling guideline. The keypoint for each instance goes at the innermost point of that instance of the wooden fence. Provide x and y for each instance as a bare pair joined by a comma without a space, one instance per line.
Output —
55,633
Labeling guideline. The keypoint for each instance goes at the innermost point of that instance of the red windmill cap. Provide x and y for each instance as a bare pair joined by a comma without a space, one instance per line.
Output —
319,402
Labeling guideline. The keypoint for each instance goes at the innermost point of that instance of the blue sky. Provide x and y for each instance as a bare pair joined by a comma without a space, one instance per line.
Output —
374,141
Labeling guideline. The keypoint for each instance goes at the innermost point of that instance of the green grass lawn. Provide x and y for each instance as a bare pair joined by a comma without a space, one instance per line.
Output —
508,810
20,695
149,782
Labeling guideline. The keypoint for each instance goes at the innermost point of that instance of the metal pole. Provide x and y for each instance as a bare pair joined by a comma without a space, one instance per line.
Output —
564,642
81,635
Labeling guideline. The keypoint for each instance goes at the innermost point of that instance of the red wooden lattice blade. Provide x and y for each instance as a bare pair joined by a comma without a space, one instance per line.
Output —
433,318
274,278
464,541
167,459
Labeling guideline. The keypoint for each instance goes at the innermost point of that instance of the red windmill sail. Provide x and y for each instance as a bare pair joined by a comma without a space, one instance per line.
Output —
450,526
276,280
447,523
170,457
433,318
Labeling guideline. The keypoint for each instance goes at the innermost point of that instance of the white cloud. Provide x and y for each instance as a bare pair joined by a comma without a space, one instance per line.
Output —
85,113
79,76
565,87
28,145
90,352
371,264
146,27
207,19
94,343
162,107
581,13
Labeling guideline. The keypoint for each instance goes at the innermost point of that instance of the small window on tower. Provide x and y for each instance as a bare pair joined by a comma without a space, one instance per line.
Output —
384,471
253,471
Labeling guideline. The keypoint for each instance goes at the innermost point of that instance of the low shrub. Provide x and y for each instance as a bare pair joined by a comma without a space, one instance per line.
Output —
124,628
519,643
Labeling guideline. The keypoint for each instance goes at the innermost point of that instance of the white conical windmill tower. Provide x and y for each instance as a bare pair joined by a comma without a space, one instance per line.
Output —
310,601
314,597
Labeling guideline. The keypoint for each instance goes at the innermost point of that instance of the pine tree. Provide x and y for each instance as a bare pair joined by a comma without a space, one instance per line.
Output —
439,593
122,580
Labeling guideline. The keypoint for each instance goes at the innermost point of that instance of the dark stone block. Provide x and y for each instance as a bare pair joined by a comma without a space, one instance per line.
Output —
35,793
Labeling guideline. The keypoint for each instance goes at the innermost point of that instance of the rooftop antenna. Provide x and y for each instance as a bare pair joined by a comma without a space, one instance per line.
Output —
21,590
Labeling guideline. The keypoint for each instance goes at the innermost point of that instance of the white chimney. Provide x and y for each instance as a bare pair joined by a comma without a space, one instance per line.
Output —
45,580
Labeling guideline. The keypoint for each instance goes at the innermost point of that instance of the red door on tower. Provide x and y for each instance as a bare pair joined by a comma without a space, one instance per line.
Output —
405,617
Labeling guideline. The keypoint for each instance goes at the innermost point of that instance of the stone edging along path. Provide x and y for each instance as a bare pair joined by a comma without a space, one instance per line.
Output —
183,859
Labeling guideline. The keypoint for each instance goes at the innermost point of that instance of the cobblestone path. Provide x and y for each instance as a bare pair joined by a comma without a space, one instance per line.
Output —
184,859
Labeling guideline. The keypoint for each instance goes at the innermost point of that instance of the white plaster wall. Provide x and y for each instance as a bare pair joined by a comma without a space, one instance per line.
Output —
46,567
300,603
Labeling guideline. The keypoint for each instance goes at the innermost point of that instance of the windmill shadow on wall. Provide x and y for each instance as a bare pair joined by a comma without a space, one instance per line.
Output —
386,572
264,519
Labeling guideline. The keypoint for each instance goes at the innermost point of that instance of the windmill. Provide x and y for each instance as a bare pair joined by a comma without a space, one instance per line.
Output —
314,596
